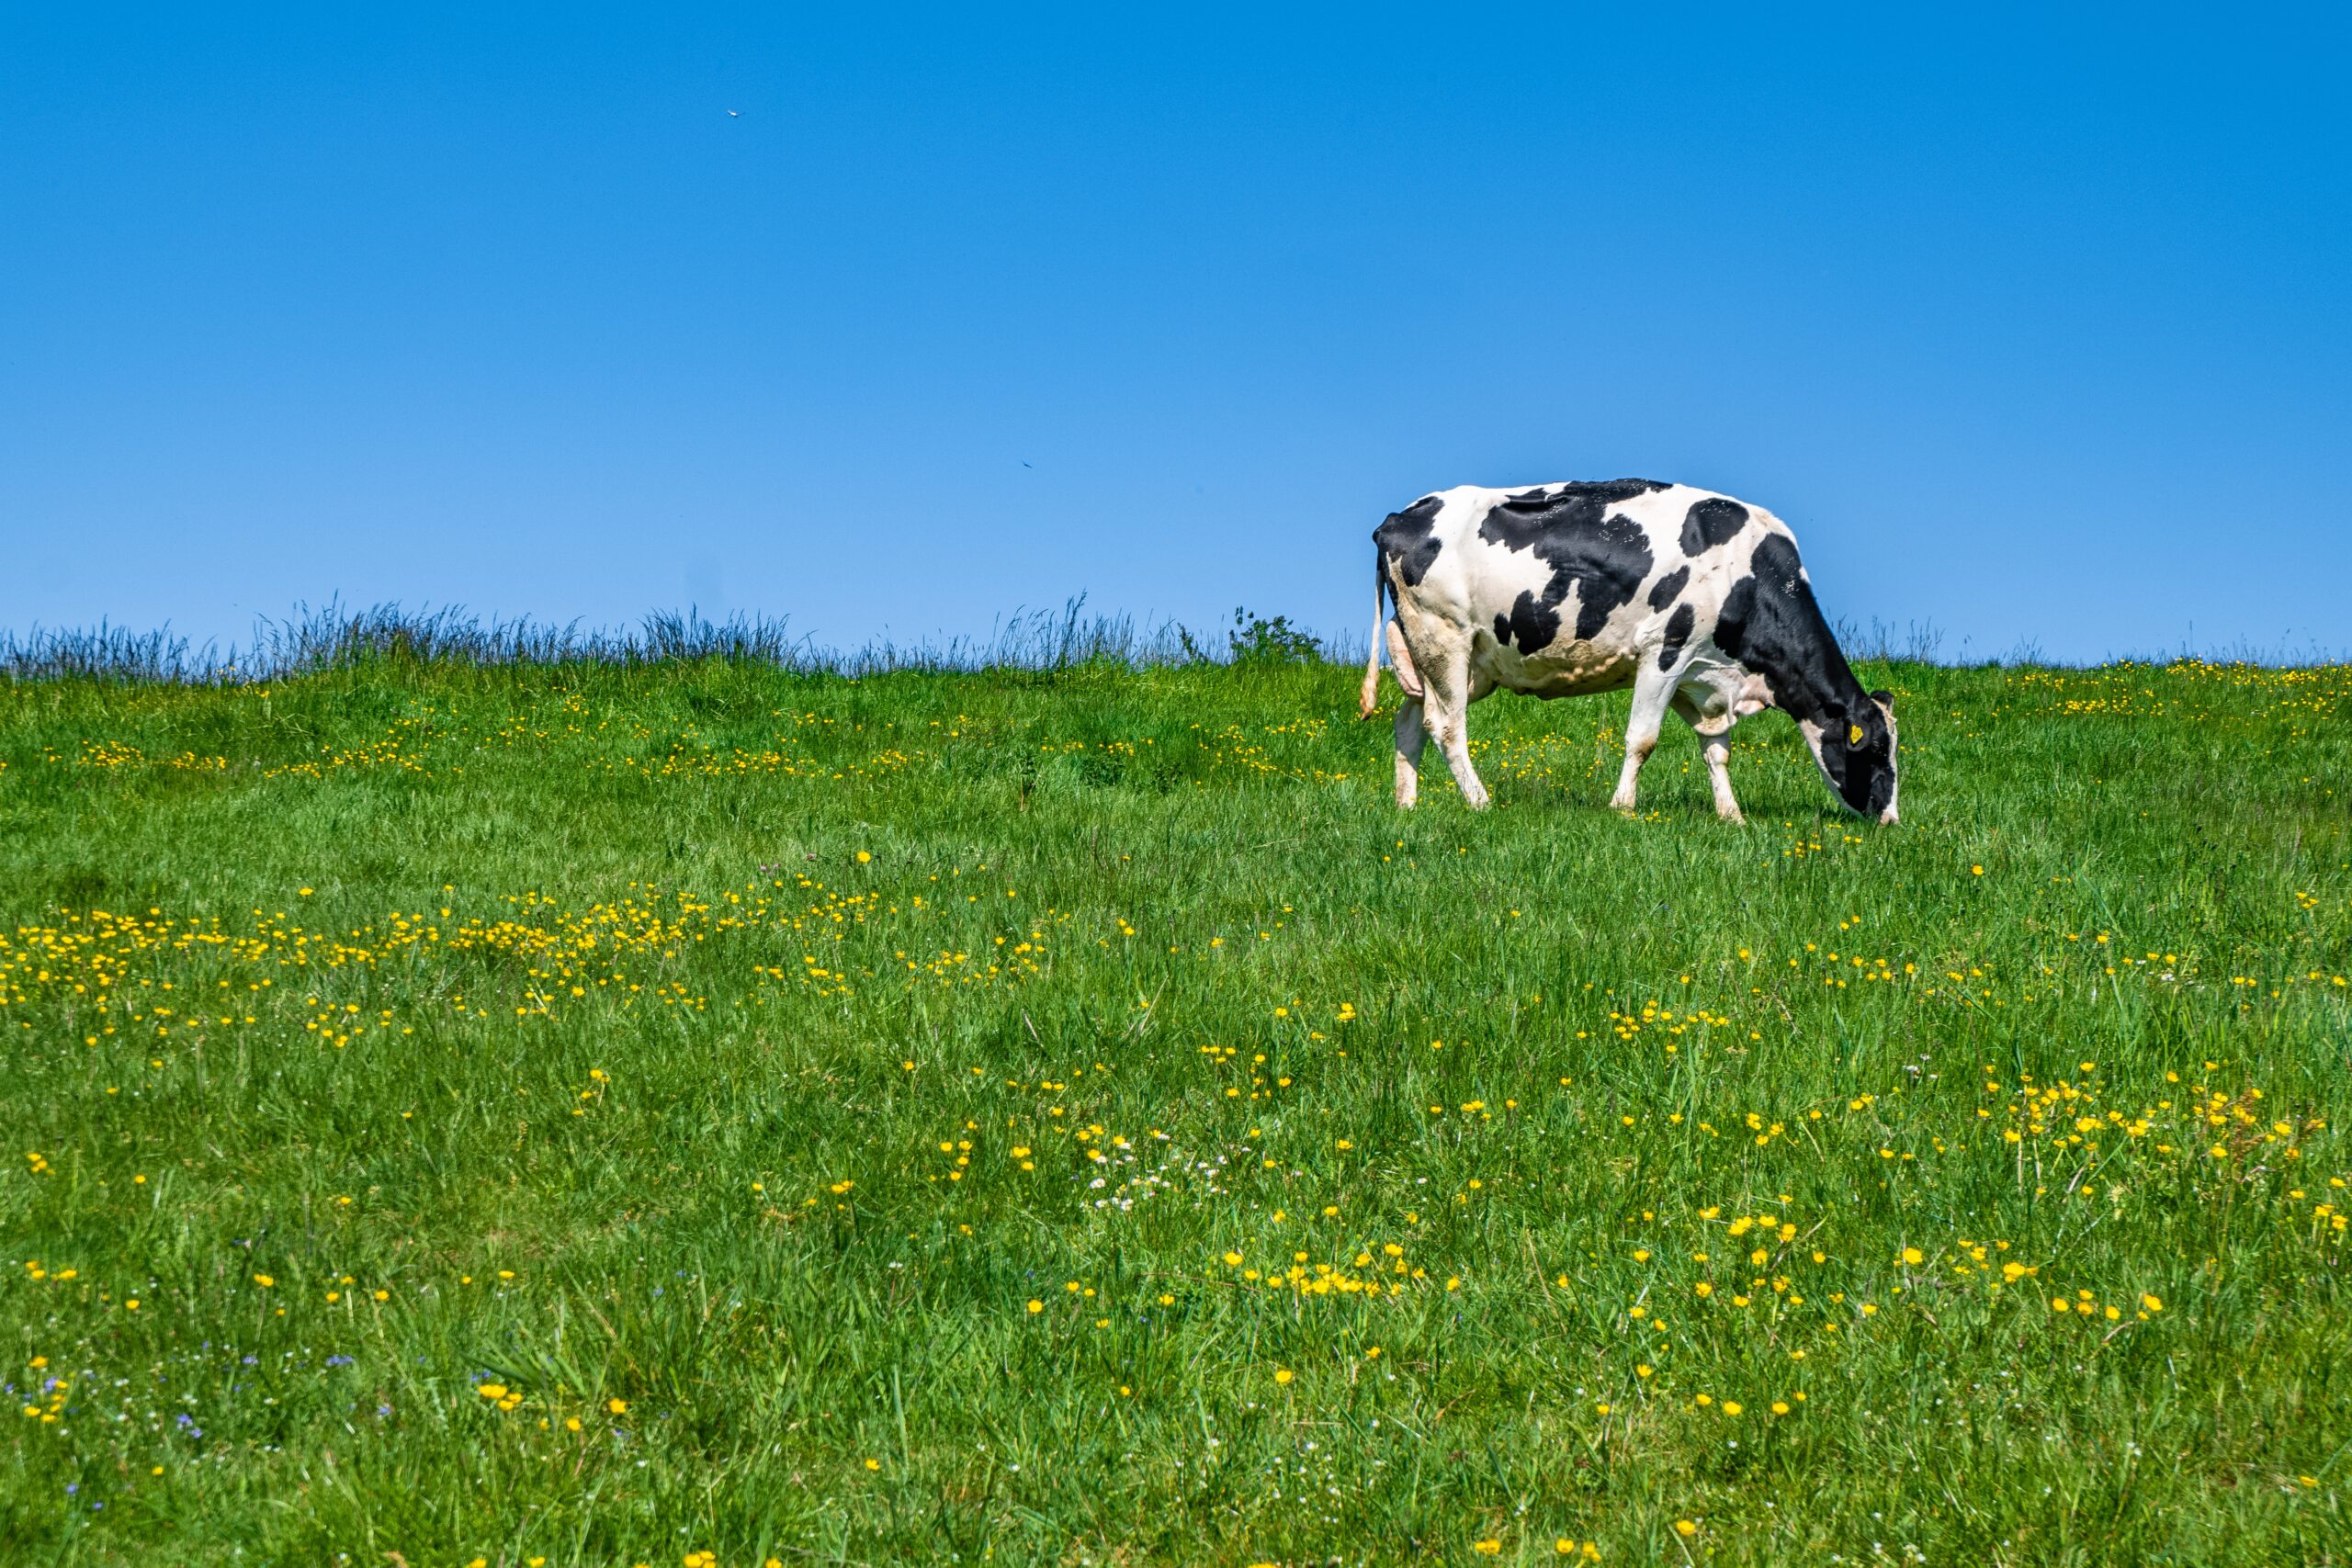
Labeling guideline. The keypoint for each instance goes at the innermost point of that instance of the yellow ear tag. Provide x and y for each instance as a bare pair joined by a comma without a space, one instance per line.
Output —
1854,735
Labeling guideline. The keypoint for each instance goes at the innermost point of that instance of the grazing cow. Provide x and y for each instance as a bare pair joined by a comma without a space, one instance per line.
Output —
1696,601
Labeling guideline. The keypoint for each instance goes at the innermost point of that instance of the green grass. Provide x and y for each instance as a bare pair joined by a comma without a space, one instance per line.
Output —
672,1035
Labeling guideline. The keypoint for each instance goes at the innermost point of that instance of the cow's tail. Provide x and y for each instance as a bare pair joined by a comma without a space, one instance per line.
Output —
1370,697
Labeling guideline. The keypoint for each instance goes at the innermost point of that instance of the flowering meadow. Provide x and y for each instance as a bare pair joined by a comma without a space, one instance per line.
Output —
694,1112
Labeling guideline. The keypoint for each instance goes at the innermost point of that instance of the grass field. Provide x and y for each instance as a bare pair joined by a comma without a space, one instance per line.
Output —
700,1113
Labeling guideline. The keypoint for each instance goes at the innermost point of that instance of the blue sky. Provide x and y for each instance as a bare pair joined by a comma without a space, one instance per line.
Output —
2033,325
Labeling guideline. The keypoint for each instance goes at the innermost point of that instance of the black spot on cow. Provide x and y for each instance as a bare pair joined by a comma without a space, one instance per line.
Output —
1408,538
1570,529
1662,592
1770,623
1710,522
1607,492
1678,632
1615,492
1531,625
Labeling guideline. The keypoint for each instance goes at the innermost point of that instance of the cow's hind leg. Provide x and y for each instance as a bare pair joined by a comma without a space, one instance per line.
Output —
1411,736
1451,690
1653,690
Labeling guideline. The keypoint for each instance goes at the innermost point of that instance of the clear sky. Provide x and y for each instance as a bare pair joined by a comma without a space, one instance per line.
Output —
2034,325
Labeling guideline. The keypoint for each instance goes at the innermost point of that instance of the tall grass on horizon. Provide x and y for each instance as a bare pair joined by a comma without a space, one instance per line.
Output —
335,636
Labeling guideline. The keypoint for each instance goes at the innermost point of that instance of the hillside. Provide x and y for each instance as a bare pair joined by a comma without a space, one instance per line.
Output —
607,1113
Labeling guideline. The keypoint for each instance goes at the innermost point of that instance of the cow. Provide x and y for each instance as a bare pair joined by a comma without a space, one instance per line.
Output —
1696,601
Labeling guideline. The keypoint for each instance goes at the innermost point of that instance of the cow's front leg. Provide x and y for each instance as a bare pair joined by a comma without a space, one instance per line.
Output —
1718,750
1652,692
1411,736
1715,736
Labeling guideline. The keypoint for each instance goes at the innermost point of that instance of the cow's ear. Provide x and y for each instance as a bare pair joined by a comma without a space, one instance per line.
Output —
1855,737
1885,700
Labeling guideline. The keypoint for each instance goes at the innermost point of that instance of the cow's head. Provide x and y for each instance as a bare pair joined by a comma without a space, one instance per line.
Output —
1856,751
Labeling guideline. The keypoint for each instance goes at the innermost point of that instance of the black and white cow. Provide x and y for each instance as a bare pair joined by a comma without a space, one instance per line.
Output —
1696,601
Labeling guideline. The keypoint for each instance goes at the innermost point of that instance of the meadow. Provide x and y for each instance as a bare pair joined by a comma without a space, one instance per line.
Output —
697,1109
